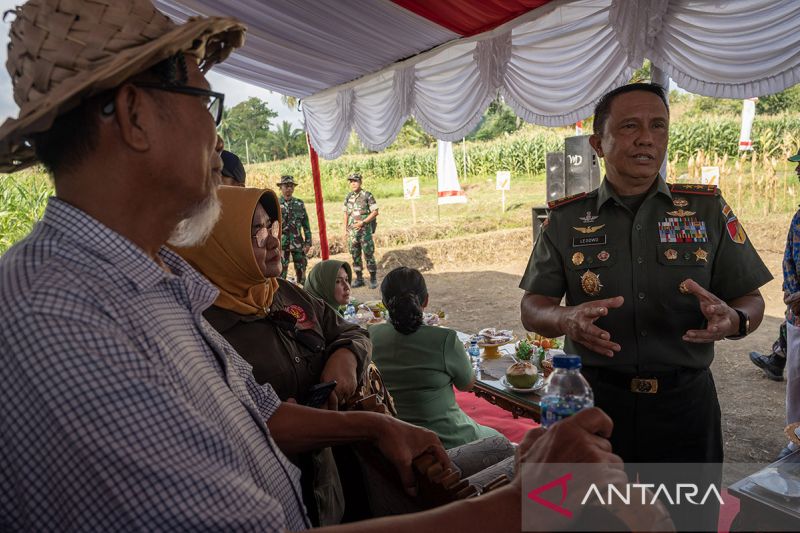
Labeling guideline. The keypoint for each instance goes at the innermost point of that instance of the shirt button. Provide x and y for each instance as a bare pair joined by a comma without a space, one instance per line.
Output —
638,227
296,359
641,296
643,333
640,260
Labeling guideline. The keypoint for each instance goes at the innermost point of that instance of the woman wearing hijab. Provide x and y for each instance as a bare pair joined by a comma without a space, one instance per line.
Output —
293,340
329,281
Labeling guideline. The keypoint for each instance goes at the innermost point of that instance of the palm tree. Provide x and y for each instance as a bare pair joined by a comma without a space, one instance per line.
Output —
284,140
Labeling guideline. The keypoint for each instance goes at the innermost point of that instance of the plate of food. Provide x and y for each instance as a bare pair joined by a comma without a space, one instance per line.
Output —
434,319
538,386
490,339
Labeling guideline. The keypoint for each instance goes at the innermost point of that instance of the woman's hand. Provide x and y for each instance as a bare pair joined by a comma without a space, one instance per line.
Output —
341,367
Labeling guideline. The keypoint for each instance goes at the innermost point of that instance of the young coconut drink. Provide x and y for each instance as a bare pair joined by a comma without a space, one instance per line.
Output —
522,375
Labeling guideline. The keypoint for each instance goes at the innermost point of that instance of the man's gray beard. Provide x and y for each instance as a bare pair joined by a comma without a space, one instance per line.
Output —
195,229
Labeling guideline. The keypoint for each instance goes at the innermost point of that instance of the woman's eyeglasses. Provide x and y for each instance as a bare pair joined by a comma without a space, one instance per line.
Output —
271,228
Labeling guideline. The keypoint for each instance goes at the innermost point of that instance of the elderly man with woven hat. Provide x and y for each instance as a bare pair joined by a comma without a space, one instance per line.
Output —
295,230
122,408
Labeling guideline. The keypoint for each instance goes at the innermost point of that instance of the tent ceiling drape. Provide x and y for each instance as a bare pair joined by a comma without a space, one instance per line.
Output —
368,66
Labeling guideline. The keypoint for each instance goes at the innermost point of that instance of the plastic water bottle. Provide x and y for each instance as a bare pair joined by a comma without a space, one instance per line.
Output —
474,352
566,392
350,313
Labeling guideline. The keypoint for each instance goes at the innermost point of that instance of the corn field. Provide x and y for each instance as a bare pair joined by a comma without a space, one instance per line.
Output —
755,183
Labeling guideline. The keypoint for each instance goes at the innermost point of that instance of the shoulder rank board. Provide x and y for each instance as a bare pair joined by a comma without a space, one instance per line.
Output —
555,204
694,188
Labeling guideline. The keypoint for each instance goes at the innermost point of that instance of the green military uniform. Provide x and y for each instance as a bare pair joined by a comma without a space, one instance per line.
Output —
295,235
357,206
657,389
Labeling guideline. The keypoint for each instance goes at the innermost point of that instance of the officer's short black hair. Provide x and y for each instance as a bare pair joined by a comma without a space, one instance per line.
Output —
603,107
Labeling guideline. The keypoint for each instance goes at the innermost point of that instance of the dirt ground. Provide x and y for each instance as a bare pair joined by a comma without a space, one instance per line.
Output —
475,280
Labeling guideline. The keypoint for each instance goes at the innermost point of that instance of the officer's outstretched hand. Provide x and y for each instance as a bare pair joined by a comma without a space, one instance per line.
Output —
722,319
577,323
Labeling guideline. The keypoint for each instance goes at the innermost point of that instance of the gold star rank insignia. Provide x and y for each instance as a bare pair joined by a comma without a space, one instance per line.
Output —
701,255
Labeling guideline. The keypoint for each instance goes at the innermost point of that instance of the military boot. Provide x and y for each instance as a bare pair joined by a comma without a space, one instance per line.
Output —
359,282
771,364
373,280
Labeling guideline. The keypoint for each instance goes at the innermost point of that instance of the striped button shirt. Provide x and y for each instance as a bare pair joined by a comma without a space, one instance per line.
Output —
120,407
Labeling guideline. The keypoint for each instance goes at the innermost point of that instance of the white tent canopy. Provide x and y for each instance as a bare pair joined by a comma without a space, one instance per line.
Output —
368,66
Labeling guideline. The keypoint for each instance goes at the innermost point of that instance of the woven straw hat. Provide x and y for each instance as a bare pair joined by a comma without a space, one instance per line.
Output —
62,52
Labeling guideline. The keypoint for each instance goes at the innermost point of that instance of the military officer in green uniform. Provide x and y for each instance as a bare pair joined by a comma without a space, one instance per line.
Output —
653,275
360,212
295,230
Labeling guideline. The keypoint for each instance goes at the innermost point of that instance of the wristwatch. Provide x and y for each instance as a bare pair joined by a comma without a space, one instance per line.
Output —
744,325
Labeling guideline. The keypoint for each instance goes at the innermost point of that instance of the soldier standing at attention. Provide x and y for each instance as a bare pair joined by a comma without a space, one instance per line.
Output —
360,212
653,275
295,230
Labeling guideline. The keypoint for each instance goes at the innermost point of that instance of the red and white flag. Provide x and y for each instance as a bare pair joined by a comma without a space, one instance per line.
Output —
748,114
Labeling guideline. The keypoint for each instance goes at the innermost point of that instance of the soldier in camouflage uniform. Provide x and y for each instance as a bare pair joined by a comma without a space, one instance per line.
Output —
294,227
360,211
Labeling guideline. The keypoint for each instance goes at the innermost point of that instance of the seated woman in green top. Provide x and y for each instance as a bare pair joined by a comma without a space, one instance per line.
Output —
329,281
420,364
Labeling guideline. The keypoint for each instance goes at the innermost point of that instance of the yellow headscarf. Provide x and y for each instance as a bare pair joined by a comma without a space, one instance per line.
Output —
226,258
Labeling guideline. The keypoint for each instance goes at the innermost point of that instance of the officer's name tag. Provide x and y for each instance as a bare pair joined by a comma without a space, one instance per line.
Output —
594,240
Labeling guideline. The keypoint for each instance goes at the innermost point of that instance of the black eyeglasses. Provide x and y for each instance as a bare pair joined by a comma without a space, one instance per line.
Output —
306,337
215,99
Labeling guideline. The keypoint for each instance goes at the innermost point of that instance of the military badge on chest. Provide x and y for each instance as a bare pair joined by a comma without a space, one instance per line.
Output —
681,225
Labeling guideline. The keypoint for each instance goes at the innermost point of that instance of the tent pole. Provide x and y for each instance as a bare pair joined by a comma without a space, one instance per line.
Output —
323,234
660,77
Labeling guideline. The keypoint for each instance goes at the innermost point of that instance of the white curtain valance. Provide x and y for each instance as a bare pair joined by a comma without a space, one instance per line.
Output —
552,64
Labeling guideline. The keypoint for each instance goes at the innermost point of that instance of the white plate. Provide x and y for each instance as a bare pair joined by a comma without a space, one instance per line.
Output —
538,385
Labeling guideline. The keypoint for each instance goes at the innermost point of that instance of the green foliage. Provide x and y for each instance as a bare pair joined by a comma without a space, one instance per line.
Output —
498,120
770,135
412,136
521,153
524,350
787,101
23,197
245,128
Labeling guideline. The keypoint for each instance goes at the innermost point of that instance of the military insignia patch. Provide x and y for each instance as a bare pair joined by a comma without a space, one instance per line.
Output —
680,202
682,229
589,218
589,229
700,255
555,204
671,254
577,258
603,256
681,213
297,312
590,283
736,231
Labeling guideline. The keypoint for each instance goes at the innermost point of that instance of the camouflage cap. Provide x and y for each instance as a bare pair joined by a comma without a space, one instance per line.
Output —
354,177
286,180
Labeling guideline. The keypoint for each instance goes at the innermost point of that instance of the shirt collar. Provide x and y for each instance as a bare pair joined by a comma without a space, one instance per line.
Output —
89,236
606,192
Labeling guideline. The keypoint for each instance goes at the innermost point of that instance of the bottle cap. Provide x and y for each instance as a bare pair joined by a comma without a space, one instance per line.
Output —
567,361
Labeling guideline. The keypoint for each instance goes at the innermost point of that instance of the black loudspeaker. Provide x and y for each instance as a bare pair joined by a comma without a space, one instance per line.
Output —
581,168
555,176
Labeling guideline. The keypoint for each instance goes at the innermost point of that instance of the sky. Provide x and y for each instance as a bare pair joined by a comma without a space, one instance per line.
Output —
235,91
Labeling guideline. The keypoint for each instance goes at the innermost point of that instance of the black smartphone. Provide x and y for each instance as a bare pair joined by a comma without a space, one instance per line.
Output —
319,393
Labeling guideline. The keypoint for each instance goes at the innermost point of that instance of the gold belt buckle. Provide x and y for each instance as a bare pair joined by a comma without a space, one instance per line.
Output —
644,386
